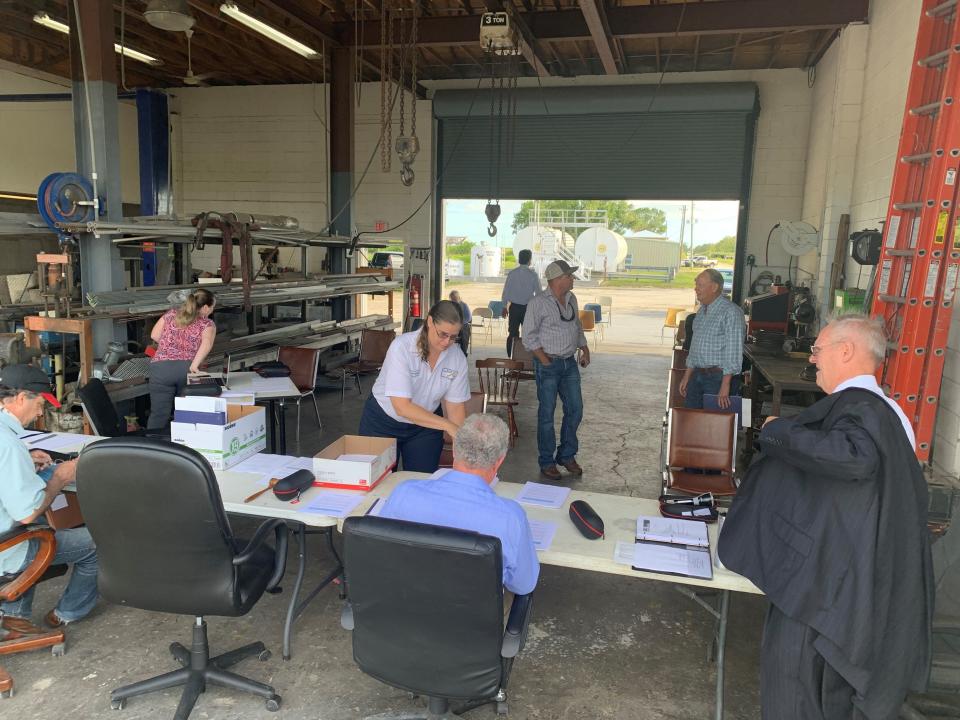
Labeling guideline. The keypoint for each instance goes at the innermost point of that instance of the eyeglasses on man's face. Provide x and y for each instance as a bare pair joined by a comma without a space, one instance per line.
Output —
817,349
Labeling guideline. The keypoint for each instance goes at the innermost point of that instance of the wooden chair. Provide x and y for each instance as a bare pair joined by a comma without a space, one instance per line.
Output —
485,316
522,355
679,358
476,404
589,324
499,380
373,351
701,440
14,585
303,364
670,320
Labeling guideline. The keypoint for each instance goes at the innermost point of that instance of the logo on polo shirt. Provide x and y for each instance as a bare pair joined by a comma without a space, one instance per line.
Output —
448,373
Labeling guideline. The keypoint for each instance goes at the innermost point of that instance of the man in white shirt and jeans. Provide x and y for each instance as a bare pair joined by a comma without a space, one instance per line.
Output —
521,285
552,332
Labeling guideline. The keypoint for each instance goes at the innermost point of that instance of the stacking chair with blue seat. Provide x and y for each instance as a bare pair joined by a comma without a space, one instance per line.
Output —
164,544
425,606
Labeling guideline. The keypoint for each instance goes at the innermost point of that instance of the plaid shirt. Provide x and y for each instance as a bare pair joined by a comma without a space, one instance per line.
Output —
544,326
718,334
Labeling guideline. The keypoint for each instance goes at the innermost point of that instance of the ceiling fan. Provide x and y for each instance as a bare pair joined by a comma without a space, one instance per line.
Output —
191,79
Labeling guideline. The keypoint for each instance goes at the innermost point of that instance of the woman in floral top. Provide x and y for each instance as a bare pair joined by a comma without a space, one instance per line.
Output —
184,337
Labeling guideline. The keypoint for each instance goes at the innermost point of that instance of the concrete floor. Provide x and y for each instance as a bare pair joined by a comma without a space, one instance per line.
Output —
600,646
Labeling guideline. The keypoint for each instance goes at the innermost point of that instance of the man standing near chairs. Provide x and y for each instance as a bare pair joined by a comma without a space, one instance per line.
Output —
716,349
553,333
461,498
830,523
24,497
463,339
521,285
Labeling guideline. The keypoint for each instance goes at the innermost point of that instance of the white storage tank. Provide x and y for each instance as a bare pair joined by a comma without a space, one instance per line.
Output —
601,249
540,240
485,261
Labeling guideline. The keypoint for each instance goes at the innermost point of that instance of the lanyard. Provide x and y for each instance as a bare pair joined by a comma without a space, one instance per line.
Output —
573,312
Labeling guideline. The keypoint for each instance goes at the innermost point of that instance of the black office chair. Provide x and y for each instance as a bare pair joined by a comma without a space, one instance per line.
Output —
425,605
100,412
164,544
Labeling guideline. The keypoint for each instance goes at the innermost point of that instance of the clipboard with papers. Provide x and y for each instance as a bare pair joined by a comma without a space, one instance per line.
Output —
673,547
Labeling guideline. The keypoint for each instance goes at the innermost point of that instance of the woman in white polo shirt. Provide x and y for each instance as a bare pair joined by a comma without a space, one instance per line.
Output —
422,369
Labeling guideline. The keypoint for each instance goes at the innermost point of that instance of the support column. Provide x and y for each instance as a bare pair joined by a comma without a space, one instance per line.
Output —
96,129
342,101
153,134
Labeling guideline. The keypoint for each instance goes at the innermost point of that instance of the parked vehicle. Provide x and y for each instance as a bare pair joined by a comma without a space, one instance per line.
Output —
703,261
392,260
685,262
727,280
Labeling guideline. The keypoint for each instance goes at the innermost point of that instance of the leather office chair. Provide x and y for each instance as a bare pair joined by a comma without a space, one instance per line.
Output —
303,363
425,604
100,411
373,351
14,585
164,543
522,355
701,440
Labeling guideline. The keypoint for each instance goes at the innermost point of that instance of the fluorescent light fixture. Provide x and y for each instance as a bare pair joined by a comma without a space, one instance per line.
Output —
42,18
231,10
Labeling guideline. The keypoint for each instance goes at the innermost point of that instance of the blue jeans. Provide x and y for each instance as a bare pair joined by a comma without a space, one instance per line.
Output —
74,547
706,384
561,377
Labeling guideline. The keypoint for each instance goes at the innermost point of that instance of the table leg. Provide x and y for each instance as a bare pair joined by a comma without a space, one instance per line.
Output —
777,398
282,427
720,611
271,424
301,534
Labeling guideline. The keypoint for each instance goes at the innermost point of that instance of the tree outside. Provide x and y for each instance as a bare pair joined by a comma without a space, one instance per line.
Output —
621,216
724,248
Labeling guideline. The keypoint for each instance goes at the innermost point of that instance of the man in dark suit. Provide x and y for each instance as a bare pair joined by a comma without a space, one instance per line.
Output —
830,522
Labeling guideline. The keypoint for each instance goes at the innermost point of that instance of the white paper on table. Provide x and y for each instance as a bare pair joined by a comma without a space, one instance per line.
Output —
61,440
262,463
716,558
332,502
551,496
59,502
271,385
672,530
357,457
674,559
543,532
623,553
299,463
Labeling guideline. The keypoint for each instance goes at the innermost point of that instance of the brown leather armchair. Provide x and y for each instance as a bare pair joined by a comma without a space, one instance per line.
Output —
13,586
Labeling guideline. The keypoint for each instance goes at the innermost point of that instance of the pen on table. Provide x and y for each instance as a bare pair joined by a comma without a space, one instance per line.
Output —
38,439
370,510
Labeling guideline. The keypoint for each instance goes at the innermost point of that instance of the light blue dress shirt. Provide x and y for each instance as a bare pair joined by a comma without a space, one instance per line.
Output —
463,501
21,491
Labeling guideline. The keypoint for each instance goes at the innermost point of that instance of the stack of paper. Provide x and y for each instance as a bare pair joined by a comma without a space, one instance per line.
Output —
549,496
668,545
671,530
334,503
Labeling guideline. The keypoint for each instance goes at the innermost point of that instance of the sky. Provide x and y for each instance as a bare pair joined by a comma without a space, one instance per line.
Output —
712,220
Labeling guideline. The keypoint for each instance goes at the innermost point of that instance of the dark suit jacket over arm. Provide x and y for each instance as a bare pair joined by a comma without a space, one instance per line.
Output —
830,522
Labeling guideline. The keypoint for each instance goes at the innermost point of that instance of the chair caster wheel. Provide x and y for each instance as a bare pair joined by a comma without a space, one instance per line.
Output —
273,704
58,650
264,655
502,708
6,694
118,704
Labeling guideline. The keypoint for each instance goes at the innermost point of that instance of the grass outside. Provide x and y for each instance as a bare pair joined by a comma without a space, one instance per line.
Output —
683,279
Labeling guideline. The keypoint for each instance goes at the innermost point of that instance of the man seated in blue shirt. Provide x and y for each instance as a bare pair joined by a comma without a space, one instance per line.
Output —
462,498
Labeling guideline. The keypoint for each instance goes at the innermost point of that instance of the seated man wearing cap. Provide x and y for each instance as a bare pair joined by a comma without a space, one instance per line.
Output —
462,498
553,333
24,497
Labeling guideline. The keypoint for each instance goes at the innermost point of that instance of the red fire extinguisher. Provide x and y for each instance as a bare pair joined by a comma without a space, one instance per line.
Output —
416,285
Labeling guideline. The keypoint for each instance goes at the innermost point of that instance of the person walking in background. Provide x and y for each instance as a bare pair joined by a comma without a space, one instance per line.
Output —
184,337
463,339
553,333
521,285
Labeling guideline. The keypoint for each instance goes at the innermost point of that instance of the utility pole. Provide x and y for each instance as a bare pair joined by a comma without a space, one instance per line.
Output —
683,227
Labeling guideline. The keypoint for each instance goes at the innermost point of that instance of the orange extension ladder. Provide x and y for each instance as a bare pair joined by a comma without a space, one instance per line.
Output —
917,273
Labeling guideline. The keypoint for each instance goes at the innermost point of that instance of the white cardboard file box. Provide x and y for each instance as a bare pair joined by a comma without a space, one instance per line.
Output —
330,471
245,434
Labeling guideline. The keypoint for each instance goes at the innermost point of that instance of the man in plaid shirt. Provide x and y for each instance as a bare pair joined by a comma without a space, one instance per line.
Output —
716,349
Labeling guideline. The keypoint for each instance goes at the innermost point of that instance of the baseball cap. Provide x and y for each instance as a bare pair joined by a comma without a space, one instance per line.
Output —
558,268
29,378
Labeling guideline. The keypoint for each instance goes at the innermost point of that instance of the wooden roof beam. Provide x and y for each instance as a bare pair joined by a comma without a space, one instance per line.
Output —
596,22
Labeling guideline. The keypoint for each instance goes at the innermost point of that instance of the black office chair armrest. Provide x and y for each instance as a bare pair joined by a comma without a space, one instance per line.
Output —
515,634
279,528
346,616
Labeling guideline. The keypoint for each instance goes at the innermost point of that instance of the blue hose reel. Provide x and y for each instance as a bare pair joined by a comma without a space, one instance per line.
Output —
65,197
